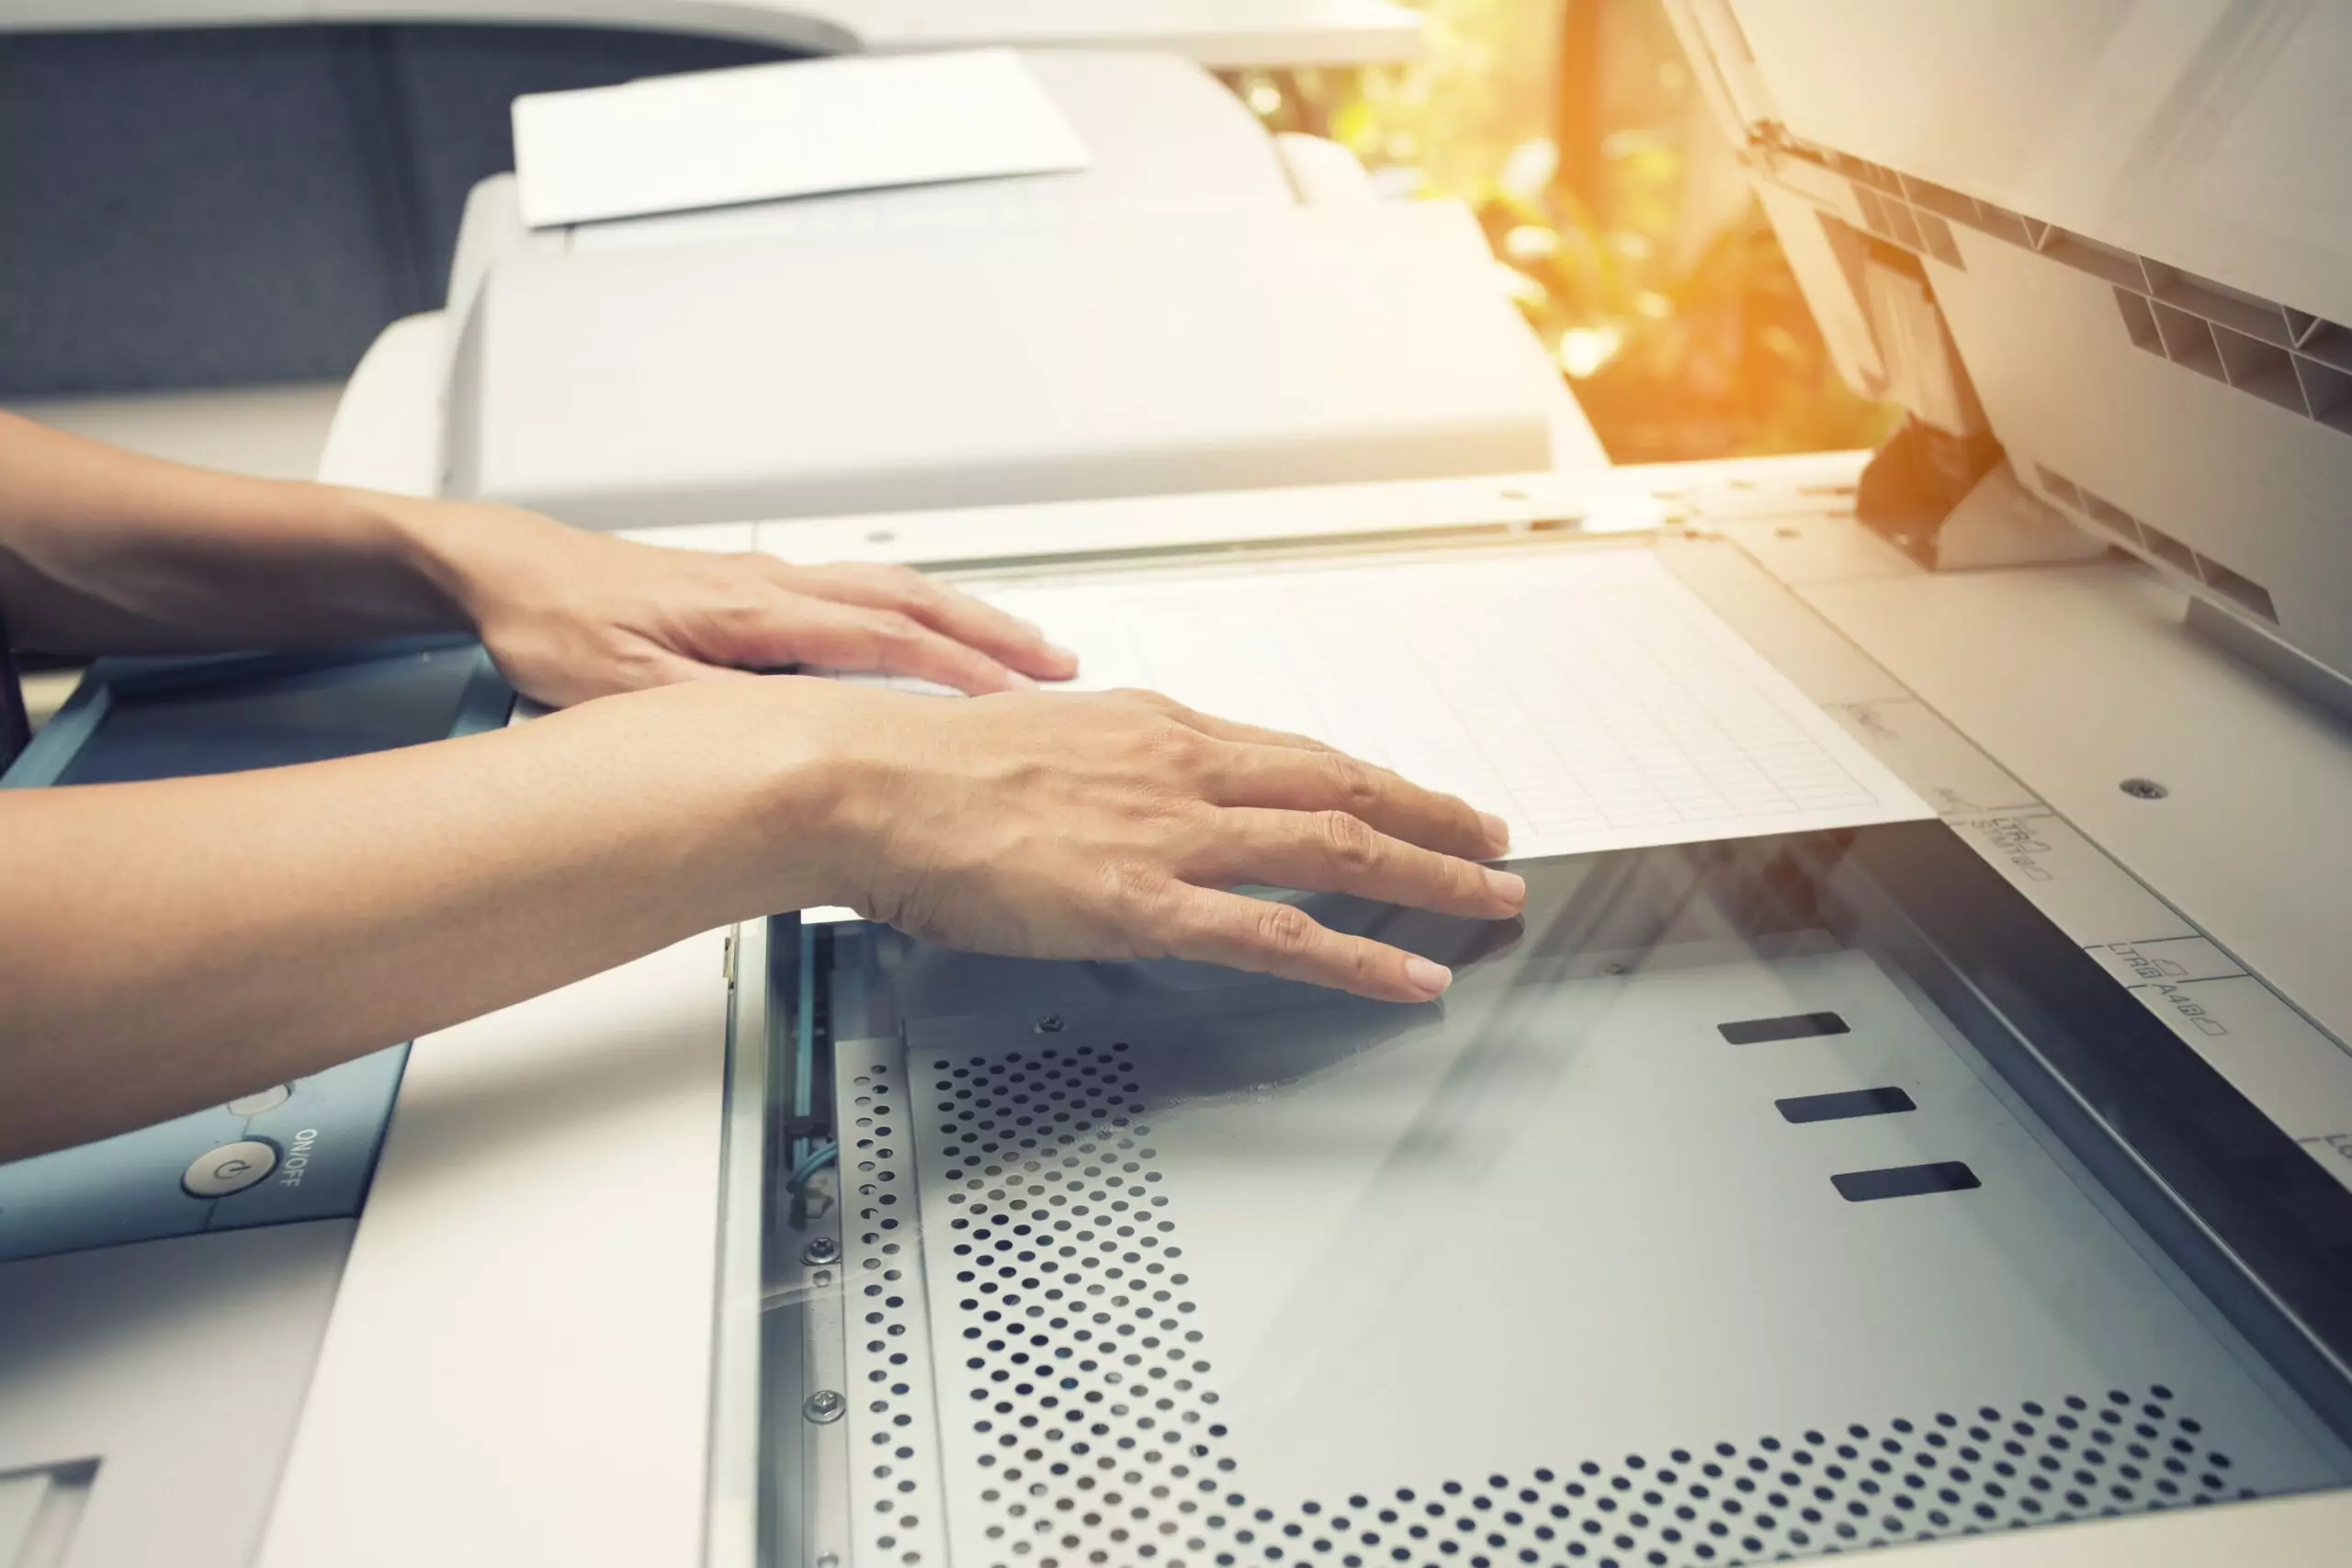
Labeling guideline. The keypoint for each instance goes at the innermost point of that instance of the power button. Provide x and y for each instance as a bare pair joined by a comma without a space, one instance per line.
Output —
229,1168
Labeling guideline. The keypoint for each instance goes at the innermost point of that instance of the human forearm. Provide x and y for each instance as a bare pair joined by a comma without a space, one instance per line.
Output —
106,551
170,945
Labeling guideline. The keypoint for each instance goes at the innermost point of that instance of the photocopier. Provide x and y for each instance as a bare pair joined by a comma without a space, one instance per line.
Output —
1964,1179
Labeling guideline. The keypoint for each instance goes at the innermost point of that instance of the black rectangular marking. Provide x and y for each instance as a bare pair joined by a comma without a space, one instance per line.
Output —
1797,1026
1838,1107
1905,1181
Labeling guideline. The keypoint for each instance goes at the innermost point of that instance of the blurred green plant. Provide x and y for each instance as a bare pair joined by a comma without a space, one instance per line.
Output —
1617,213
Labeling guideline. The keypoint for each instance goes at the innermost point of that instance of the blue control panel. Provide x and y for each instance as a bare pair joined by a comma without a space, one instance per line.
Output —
303,1150
298,1151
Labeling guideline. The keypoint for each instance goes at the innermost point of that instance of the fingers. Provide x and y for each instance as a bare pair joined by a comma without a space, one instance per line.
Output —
1006,638
1281,940
1330,851
1314,776
1010,640
1223,729
662,668
561,683
850,637
1287,779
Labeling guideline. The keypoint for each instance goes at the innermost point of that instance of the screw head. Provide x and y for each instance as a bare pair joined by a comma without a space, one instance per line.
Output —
1050,1024
825,1405
2143,789
821,1249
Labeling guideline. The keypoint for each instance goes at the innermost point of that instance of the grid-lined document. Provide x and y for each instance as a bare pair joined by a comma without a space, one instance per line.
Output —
1586,696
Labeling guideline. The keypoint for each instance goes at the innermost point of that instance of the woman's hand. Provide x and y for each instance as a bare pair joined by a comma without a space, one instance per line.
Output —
104,551
569,616
1113,825
1047,826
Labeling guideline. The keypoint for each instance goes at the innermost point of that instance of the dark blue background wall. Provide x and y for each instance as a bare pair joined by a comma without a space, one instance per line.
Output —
239,205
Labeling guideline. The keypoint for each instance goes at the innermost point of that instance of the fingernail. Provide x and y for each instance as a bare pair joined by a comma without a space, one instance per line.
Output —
1508,888
1058,652
1497,830
1427,977
1018,680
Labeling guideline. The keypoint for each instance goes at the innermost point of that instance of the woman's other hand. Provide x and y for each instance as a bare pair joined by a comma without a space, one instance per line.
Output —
1114,825
569,615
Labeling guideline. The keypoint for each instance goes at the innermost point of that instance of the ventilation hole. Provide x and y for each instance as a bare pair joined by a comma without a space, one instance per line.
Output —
2170,551
1903,228
1905,1181
2083,254
2114,519
1843,1106
1873,209
1940,242
1799,1026
2004,224
2058,487
2140,321
2228,308
2327,390
2242,592
2264,369
2187,340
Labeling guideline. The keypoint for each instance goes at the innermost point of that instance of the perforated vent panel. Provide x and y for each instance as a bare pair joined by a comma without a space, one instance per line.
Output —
892,1417
1092,1388
1547,1275
1082,1367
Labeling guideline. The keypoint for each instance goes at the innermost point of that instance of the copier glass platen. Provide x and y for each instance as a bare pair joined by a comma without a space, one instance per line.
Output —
1744,1200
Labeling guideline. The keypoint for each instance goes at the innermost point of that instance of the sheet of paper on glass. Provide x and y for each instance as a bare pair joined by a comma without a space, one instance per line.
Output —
1586,697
